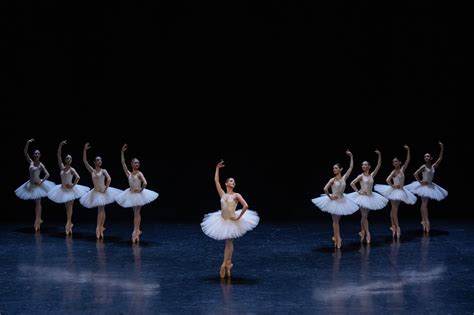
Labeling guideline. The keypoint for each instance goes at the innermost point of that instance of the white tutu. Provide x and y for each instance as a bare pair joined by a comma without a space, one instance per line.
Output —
340,206
95,199
431,191
29,191
128,199
374,201
401,194
60,194
218,228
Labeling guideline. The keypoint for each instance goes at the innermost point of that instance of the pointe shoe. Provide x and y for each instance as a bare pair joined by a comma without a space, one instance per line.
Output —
334,240
367,238
97,233
394,230
427,226
68,228
102,229
424,226
398,232
136,236
339,242
228,267
222,272
362,235
37,225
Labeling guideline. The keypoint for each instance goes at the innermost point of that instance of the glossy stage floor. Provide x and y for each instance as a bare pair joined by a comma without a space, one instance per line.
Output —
278,268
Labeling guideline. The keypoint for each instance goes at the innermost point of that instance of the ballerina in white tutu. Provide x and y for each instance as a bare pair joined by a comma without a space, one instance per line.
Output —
335,202
102,194
136,196
365,198
227,224
395,191
425,188
36,188
68,190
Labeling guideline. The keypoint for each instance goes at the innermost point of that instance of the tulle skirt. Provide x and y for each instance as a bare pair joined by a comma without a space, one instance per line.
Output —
340,206
401,194
374,201
431,191
60,194
29,191
218,228
128,198
96,199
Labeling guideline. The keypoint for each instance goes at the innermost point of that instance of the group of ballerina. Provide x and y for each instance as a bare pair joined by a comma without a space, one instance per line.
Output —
36,188
228,223
364,198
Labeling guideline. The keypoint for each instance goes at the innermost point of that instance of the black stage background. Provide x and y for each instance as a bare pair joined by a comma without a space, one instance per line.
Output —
277,89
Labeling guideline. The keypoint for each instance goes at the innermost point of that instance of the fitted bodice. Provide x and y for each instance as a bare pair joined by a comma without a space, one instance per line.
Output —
366,184
66,177
228,206
399,179
35,172
428,174
134,182
338,187
98,180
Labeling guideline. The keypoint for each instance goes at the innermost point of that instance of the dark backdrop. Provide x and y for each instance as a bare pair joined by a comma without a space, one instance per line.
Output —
278,89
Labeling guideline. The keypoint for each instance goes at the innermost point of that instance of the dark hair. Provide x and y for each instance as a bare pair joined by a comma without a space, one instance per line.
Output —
228,178
338,165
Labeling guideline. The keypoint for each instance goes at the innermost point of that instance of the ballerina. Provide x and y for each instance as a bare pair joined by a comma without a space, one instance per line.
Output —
335,202
35,188
425,188
68,190
365,198
136,196
396,192
102,194
228,224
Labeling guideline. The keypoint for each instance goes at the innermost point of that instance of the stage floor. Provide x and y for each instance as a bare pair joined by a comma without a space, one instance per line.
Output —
278,268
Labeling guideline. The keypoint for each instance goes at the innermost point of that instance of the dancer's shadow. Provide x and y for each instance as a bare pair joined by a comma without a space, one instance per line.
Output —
89,237
350,247
75,235
407,236
141,243
31,230
410,235
55,233
232,280
433,232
